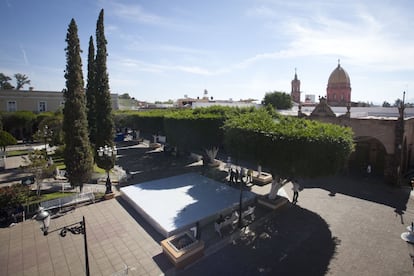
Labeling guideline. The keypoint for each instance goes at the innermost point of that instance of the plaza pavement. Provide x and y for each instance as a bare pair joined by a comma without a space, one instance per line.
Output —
341,226
344,225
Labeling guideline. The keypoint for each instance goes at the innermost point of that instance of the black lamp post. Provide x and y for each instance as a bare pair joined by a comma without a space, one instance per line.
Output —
108,153
43,217
47,133
240,223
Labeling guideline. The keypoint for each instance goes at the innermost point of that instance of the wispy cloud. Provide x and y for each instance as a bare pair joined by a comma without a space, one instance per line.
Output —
135,12
160,68
25,59
138,43
362,37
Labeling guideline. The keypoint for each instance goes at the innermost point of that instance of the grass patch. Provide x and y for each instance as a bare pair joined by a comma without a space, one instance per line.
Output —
96,169
17,153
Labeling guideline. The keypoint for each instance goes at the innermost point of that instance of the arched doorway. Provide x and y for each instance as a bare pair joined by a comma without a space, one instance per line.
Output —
368,151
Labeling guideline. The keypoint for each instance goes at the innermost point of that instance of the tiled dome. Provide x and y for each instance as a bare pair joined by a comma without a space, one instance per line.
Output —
339,76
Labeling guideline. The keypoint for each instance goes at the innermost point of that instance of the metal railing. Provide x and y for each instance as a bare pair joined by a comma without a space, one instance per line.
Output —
68,200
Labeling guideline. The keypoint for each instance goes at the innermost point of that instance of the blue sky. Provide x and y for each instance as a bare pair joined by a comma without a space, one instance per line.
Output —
239,49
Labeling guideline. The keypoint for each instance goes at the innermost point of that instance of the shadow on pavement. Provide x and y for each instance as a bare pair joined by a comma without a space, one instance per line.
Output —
372,189
163,263
140,220
143,165
293,241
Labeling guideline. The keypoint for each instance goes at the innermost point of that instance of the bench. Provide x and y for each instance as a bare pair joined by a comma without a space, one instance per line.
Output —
249,212
60,174
228,221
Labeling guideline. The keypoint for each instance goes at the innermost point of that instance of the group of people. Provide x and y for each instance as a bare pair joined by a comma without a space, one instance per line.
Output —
242,175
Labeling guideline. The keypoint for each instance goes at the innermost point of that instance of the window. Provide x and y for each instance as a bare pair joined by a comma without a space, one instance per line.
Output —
11,106
42,106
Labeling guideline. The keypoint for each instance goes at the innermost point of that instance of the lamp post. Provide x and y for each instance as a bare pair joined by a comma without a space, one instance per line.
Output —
43,217
108,155
240,223
47,133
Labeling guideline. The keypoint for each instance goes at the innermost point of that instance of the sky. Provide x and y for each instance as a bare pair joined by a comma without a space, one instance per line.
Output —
235,49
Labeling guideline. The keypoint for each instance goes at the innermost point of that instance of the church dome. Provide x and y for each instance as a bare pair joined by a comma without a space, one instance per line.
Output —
339,76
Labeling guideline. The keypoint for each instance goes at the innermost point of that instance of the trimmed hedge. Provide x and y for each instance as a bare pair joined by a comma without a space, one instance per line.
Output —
289,146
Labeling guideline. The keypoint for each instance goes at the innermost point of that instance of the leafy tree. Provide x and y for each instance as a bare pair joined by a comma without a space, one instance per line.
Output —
14,195
104,121
6,139
5,82
20,123
38,165
289,147
77,153
125,96
386,104
397,102
52,124
279,100
91,93
21,80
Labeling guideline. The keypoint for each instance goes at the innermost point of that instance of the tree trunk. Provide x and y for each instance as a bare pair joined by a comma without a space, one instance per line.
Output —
276,185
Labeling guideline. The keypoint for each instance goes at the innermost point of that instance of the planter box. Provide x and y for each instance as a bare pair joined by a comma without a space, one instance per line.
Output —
262,179
272,204
109,196
182,249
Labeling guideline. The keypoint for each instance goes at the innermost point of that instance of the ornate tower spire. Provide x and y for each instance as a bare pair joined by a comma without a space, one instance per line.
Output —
295,93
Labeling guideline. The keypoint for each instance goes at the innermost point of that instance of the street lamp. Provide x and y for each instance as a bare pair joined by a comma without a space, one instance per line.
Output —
240,223
108,153
43,217
47,133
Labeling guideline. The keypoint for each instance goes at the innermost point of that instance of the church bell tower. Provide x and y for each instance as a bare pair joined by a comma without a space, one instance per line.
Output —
295,93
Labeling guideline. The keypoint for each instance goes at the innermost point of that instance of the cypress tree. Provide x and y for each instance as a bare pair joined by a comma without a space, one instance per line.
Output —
77,154
104,121
91,93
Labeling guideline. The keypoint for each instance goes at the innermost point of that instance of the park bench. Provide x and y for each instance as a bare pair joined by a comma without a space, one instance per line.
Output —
60,174
228,221
248,212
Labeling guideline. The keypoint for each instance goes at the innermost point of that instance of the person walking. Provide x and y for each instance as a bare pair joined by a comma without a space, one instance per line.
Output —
232,175
249,175
296,189
369,170
237,175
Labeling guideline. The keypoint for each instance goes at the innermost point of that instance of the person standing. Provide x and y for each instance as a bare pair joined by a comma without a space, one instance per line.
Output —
249,175
369,169
296,189
232,175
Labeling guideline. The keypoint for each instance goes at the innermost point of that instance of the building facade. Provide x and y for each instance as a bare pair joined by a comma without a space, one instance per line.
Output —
37,101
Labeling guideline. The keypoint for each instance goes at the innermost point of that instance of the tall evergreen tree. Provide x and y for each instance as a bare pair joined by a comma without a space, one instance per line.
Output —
104,121
77,154
91,93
